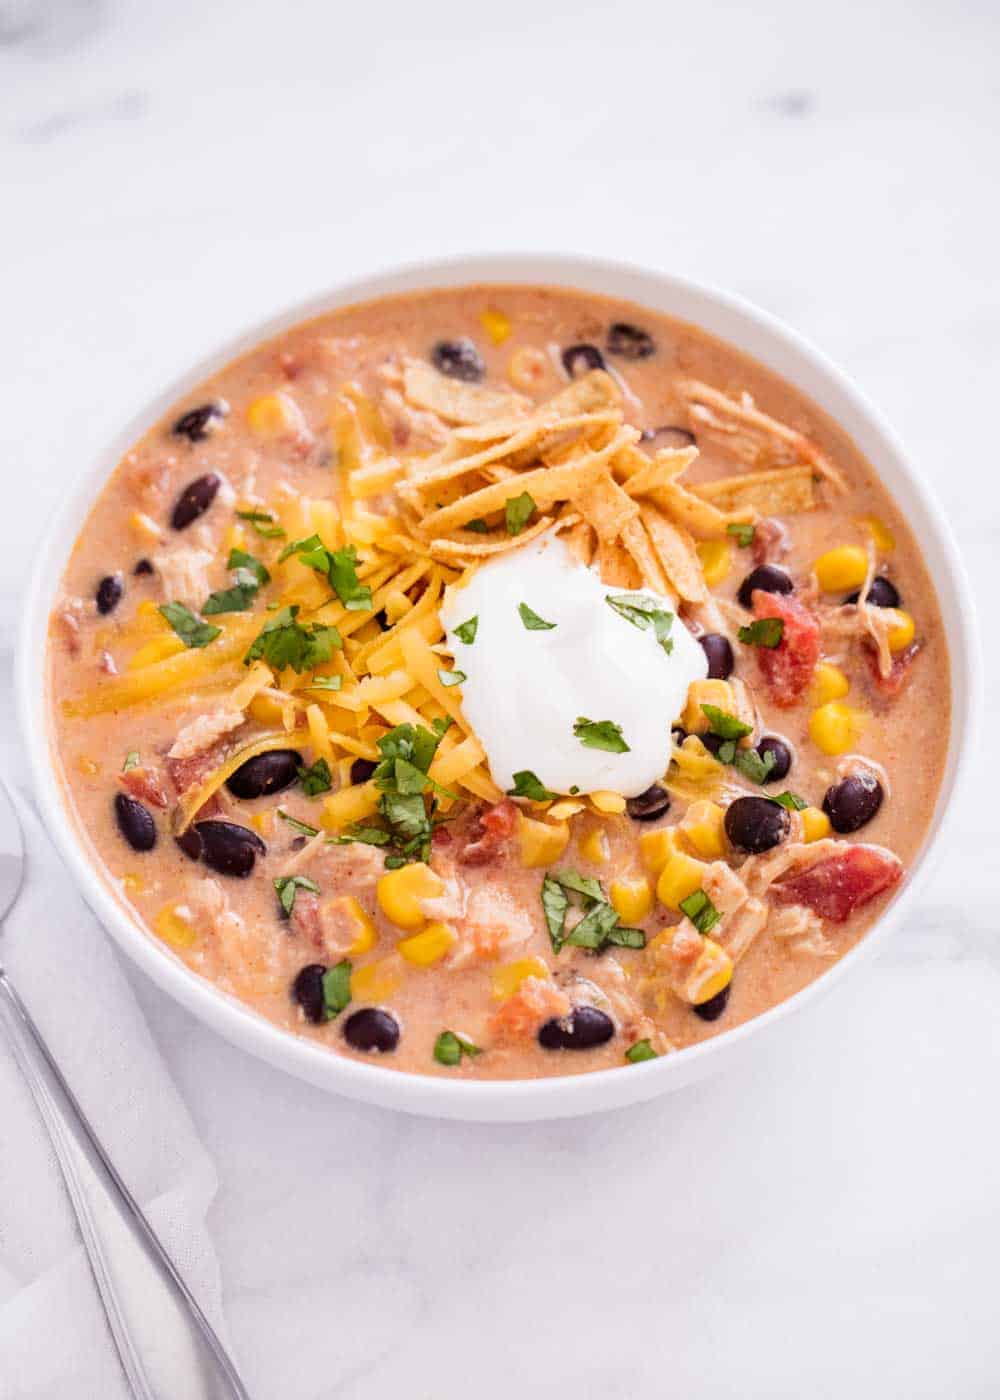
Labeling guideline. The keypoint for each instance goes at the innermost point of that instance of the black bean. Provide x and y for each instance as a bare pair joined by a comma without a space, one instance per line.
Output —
712,742
190,843
649,804
767,577
198,422
362,769
194,500
584,1028
771,744
372,1029
143,566
756,824
712,1009
851,803
580,359
307,990
109,592
459,359
669,436
135,823
719,652
630,342
228,848
883,593
265,773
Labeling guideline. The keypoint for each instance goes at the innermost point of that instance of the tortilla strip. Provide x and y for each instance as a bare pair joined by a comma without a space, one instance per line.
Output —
701,518
453,399
634,465
464,550
636,540
676,552
545,485
752,435
783,491
616,566
605,506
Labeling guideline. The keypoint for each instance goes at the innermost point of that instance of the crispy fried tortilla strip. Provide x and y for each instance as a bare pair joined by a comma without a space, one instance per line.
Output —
635,466
605,506
783,491
636,541
580,542
753,436
675,550
615,565
465,550
545,485
656,481
456,401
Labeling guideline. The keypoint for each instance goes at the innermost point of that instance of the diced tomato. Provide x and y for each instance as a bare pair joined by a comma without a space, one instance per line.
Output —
835,887
536,1000
494,828
145,784
896,681
788,668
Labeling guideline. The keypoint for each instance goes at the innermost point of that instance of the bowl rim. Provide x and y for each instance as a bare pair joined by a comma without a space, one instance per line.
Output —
809,370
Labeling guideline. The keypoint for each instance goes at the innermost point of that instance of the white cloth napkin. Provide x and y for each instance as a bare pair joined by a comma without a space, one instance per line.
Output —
53,1338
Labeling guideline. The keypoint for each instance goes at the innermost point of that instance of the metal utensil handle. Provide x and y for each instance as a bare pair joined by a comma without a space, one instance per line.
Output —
166,1345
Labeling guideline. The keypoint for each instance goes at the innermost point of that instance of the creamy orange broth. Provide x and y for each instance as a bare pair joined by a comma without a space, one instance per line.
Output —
231,930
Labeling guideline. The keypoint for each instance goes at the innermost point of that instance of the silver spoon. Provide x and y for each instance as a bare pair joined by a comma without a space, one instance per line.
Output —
166,1346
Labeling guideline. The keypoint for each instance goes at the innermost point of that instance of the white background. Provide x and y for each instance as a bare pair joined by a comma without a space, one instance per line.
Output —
823,1222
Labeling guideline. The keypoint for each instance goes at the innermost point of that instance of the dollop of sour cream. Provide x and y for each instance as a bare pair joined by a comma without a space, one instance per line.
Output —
527,688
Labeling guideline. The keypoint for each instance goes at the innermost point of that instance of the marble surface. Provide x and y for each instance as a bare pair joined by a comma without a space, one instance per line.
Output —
823,1220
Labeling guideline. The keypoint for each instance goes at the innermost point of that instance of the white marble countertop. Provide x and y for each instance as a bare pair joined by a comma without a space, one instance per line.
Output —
822,1221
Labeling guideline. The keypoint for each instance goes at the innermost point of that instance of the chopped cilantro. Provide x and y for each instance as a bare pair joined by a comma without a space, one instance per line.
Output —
727,726
477,527
593,929
532,621
701,911
303,828
263,523
325,683
584,885
599,925
466,631
555,902
316,779
527,785
791,800
641,1050
765,632
283,642
250,576
336,989
645,613
402,779
627,937
288,887
191,630
131,761
517,512
450,1047
339,566
365,835
600,734
450,678
754,766
742,533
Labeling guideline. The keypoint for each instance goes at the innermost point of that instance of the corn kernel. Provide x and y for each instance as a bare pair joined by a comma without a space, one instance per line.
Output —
815,824
656,848
508,978
828,683
275,415
401,893
716,560
262,822
631,900
133,884
702,827
708,692
235,538
540,843
496,325
174,927
901,629
594,847
610,803
841,568
834,727
528,369
375,981
680,877
885,540
711,973
89,767
145,527
427,947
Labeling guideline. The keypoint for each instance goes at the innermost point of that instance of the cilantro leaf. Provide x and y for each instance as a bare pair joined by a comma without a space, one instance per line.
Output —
288,886
466,631
727,726
791,800
340,567
584,885
623,937
263,522
600,734
645,613
555,902
191,630
406,813
593,929
527,785
477,527
641,1050
316,779
754,766
743,534
325,683
765,632
450,1047
532,621
517,512
303,828
132,760
250,576
701,911
365,835
284,642
450,678
336,989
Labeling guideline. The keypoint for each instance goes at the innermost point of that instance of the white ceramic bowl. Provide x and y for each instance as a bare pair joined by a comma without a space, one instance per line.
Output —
724,315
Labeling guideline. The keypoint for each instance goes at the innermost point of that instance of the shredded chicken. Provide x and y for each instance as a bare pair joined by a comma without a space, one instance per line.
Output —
802,929
860,763
203,732
416,429
69,618
759,873
183,575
